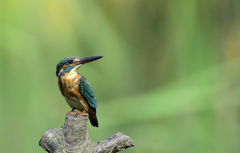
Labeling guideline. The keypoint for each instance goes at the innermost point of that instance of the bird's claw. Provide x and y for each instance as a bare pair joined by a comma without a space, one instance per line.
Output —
83,112
69,113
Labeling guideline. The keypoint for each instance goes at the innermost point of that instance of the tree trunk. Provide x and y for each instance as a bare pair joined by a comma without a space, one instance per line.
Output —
73,137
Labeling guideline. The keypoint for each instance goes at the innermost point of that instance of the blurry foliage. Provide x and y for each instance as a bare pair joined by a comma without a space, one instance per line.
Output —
169,78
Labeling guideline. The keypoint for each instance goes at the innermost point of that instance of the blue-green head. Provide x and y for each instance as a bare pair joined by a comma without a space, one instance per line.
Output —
72,64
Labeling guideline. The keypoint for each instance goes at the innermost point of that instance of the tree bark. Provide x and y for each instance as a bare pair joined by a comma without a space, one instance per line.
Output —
73,137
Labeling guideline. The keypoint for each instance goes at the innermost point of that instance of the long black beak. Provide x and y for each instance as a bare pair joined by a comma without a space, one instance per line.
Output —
89,59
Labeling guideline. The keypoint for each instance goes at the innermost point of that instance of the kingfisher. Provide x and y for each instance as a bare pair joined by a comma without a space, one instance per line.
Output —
75,88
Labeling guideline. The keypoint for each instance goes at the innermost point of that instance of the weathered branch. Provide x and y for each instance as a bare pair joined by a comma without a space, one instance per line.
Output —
73,137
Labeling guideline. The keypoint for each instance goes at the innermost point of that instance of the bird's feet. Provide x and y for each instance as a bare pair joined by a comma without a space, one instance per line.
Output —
70,112
83,112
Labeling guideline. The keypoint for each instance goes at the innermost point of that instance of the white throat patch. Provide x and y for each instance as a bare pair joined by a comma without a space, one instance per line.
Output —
75,68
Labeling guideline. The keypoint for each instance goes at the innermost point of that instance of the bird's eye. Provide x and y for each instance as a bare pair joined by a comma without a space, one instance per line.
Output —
70,61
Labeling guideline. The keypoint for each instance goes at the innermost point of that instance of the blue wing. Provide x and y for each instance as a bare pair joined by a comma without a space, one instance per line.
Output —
87,92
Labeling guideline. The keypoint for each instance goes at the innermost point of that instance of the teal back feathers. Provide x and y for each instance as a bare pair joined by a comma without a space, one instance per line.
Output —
87,92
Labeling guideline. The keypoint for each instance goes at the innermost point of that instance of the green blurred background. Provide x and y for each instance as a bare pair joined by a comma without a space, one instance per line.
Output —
169,78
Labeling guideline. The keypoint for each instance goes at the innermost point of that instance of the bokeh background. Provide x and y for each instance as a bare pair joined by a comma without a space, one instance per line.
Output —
169,78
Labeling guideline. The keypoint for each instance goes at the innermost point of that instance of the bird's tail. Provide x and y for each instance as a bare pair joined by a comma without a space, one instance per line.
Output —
93,119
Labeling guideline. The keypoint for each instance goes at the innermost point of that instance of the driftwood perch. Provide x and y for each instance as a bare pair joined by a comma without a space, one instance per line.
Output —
73,137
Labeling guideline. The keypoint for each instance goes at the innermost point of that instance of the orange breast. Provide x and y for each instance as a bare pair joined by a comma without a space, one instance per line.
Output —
69,85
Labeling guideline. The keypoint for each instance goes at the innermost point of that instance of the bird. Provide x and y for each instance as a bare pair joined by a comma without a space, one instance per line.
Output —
75,88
